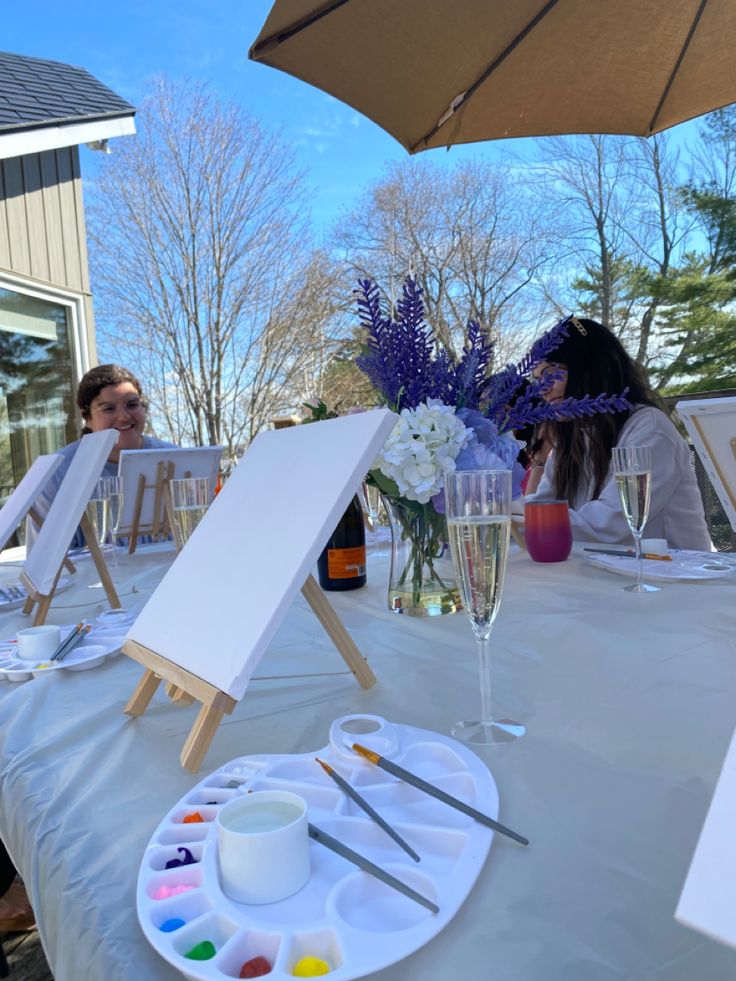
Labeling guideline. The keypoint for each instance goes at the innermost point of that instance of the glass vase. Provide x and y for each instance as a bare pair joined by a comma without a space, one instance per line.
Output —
422,581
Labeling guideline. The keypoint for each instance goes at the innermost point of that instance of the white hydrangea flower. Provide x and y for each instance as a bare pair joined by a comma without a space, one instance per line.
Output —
422,448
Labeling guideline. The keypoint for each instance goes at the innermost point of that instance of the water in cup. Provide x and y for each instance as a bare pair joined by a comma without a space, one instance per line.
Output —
268,816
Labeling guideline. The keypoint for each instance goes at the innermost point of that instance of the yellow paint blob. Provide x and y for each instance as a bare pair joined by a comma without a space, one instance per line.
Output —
310,967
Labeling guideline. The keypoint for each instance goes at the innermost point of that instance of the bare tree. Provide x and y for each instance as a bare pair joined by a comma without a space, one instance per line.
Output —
204,277
469,234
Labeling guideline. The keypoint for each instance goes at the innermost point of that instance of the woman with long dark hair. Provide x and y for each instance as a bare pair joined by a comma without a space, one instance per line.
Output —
591,360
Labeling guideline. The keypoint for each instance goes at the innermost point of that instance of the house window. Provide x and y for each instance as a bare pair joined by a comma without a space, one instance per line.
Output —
38,373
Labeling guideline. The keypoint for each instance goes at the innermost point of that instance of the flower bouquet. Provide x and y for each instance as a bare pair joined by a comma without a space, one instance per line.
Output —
453,415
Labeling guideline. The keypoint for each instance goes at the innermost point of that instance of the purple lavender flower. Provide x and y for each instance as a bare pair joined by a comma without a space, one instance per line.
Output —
407,366
405,363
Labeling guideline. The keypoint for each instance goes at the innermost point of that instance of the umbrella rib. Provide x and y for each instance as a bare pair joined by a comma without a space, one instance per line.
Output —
276,39
461,99
683,52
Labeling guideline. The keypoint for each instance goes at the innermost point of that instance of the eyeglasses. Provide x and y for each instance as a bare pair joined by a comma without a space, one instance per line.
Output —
110,408
550,373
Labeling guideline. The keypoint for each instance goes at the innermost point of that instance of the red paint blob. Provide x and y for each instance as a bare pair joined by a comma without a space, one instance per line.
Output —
256,967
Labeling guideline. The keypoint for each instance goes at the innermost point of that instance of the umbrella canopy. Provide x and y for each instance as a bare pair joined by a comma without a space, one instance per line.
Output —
438,72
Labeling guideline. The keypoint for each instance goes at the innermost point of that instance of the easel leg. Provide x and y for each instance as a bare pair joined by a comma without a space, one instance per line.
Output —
44,602
200,737
42,610
99,560
137,514
144,692
70,565
169,511
337,633
28,606
178,695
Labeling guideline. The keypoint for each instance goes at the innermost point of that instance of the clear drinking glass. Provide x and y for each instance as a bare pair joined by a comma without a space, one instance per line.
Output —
371,502
478,508
190,498
98,509
632,466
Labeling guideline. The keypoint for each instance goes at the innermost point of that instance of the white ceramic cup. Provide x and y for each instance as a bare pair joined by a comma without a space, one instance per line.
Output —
263,846
37,643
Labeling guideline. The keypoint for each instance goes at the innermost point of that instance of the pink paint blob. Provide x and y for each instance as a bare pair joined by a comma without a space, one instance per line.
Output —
163,892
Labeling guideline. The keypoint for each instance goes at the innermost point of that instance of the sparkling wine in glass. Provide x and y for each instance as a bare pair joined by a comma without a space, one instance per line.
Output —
632,466
98,511
114,488
478,507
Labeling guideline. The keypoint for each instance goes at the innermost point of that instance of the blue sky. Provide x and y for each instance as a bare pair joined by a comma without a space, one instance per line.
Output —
124,44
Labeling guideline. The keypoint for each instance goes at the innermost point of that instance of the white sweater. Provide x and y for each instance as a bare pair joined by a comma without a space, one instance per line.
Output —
676,509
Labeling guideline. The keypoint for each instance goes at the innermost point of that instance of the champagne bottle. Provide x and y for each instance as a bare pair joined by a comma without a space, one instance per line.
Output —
342,562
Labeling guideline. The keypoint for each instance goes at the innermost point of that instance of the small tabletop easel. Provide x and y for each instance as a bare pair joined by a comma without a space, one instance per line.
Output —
146,474
44,600
161,524
22,502
185,687
213,615
46,560
711,425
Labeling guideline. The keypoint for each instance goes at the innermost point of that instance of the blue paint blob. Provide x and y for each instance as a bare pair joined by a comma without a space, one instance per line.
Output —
170,925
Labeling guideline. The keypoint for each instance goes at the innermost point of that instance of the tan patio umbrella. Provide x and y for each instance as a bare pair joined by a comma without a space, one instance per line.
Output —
438,72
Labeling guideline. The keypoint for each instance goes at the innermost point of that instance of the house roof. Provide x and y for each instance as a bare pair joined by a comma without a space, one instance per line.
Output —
36,93
47,104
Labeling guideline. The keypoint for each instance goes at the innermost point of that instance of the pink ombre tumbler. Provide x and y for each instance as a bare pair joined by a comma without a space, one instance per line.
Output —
547,530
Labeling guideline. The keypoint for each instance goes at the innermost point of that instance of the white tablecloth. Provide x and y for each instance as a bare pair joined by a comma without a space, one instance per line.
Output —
630,702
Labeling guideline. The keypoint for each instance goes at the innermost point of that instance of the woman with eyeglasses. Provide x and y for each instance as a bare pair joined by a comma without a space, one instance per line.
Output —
108,397
590,361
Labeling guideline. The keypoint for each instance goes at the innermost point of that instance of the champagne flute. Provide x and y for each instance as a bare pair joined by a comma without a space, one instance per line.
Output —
98,510
371,503
478,506
632,466
114,488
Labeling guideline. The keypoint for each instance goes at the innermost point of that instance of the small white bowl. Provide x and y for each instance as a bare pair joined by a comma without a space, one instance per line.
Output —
115,618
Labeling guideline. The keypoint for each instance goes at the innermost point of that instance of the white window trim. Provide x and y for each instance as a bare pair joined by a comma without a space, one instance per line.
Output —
77,319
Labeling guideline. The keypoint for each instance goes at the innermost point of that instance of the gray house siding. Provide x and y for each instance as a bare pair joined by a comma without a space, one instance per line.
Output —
42,228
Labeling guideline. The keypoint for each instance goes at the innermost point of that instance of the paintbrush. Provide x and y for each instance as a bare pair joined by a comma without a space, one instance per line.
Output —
628,552
433,791
71,642
363,803
73,634
375,870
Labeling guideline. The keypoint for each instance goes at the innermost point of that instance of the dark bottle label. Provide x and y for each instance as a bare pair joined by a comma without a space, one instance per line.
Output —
342,564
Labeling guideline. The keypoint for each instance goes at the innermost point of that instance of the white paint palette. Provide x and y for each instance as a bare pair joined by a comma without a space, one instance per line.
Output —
100,643
343,916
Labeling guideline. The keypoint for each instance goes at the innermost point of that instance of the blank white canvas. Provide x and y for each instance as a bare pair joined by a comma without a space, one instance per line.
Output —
67,508
708,900
717,419
222,600
26,493
197,461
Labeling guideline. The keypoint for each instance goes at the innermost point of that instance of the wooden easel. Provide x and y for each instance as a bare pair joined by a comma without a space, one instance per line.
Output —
714,458
161,525
185,687
44,601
